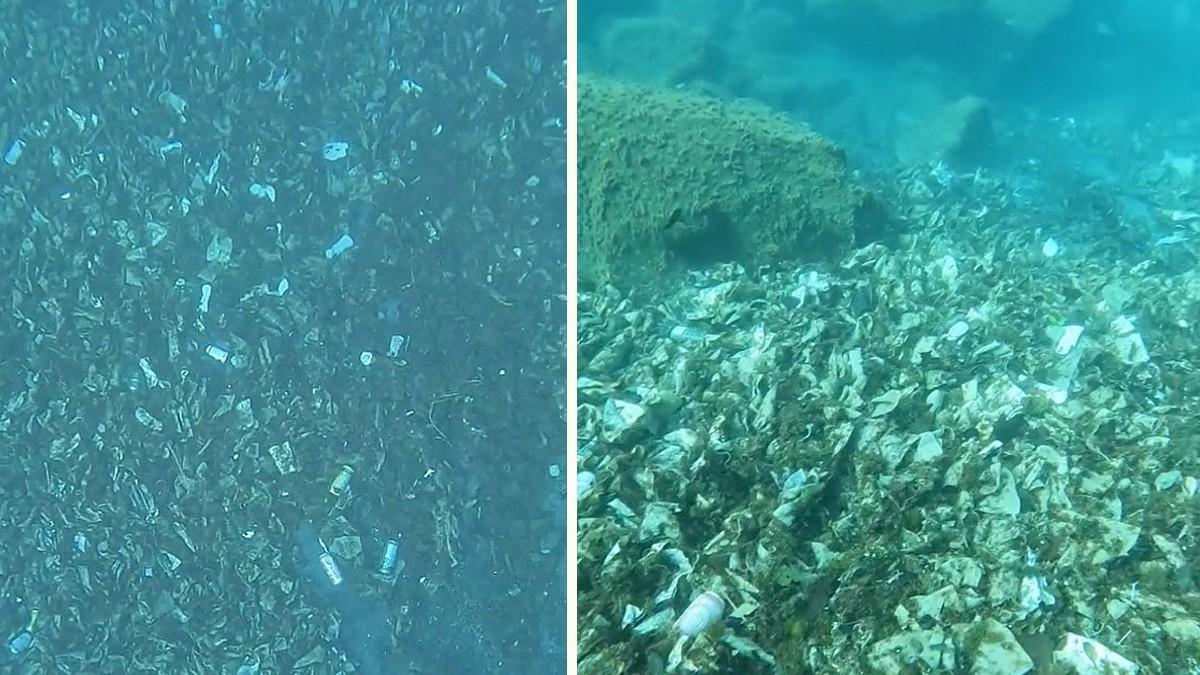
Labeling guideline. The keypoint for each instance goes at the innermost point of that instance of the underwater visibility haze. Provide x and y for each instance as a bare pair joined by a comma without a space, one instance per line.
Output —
888,342
283,337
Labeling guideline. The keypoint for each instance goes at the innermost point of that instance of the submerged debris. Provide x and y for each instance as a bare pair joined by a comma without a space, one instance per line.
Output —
987,462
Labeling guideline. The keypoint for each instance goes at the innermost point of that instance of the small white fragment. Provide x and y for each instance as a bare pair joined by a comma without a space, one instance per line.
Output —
13,154
554,470
632,615
946,267
957,330
1086,656
686,334
263,191
151,376
396,344
217,353
1035,593
1122,325
205,296
997,650
335,150
495,78
339,247
212,170
1050,248
704,611
1132,350
685,438
584,482
1068,339
929,447
330,566
280,288
794,484
366,358
1055,394
1167,480
173,101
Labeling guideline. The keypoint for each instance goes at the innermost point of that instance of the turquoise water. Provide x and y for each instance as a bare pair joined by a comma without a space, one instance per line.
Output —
955,436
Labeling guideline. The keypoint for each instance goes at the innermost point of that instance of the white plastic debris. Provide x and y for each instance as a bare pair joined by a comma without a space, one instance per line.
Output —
1122,325
957,330
1085,656
335,150
1167,480
174,102
213,167
284,459
1050,248
148,372
946,268
686,334
205,296
14,152
621,419
794,484
169,147
997,650
263,191
280,288
705,611
339,247
1035,593
1055,394
929,447
366,358
584,482
218,354
1131,349
396,344
495,79
1068,339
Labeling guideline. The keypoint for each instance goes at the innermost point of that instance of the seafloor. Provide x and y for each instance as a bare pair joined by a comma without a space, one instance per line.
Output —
967,447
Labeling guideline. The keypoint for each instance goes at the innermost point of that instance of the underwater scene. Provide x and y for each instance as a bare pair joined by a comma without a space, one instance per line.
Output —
283,337
888,358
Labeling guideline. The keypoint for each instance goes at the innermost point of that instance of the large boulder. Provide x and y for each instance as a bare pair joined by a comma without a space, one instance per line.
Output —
674,179
959,133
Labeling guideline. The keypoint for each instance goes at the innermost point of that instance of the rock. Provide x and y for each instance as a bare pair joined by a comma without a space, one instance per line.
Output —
960,132
670,178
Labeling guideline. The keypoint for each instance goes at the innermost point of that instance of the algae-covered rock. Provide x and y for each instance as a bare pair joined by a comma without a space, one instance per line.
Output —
676,178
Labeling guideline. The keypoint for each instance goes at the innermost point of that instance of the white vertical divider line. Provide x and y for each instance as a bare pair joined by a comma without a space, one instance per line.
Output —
572,337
